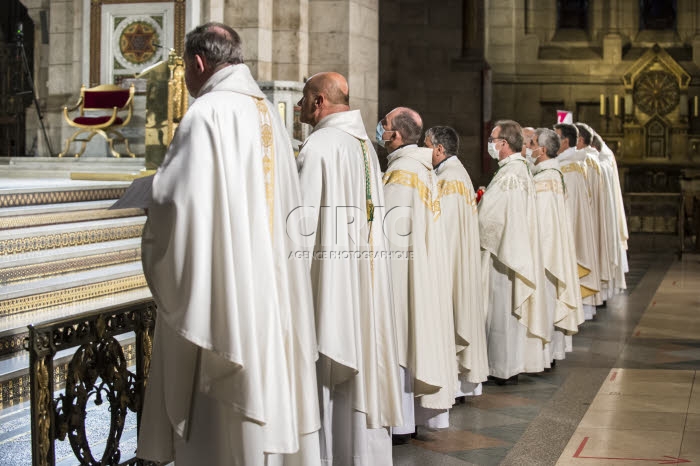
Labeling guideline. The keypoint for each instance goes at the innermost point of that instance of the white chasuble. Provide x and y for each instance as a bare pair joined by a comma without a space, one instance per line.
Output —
517,322
573,165
558,253
600,211
459,214
618,227
233,377
425,325
341,226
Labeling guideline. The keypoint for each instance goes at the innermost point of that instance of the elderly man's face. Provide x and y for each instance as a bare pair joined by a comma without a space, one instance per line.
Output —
307,106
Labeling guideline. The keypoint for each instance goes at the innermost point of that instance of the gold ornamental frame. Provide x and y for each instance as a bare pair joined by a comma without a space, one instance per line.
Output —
96,31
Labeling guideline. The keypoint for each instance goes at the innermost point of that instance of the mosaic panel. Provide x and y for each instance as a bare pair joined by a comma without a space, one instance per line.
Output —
23,221
73,238
75,264
56,298
59,197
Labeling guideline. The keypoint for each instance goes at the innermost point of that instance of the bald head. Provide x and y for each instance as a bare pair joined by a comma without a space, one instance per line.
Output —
407,123
324,94
528,134
333,86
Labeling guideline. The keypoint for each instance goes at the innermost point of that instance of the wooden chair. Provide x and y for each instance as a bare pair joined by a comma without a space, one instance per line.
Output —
111,100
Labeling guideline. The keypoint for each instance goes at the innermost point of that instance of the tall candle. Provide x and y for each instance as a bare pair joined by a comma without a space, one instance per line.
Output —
602,104
616,105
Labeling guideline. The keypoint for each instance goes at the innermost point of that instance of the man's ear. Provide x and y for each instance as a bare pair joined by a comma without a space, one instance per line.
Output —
318,100
200,63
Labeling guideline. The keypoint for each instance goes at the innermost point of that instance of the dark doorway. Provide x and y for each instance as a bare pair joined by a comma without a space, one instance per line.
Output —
16,27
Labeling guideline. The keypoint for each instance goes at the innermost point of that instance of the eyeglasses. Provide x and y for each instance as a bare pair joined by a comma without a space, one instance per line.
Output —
494,139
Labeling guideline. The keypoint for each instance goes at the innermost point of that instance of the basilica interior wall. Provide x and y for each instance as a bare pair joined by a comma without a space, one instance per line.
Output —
422,66
283,40
540,66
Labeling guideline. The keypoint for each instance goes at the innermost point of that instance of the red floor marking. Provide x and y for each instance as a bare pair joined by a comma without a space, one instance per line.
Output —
665,460
636,334
581,447
613,376
654,303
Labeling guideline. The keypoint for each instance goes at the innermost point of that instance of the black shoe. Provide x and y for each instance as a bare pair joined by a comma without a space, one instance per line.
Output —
400,439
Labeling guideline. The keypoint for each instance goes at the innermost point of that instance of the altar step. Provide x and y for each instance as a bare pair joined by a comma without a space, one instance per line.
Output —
53,214
63,167
62,253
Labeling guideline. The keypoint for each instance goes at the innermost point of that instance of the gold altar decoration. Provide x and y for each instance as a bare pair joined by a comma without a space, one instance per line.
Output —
166,104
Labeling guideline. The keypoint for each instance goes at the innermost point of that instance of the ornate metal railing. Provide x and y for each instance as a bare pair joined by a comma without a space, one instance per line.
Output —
97,369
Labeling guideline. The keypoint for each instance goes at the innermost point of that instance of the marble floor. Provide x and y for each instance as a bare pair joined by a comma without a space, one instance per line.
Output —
629,393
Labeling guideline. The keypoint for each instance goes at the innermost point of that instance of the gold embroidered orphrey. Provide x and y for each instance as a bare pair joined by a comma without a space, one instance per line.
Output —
451,187
410,180
268,159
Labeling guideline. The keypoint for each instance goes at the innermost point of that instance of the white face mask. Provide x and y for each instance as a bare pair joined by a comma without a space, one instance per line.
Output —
493,152
528,155
380,134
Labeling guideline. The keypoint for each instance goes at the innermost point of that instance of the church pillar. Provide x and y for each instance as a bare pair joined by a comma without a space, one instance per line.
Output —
290,40
473,28
253,21
696,38
612,42
344,37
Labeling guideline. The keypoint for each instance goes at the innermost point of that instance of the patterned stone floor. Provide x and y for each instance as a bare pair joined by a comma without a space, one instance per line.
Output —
628,393
536,422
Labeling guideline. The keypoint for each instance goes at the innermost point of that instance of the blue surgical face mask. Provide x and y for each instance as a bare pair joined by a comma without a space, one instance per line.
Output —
380,133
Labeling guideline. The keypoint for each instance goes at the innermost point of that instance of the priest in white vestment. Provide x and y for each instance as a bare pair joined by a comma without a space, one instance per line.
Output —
232,378
459,214
358,369
618,222
517,322
600,207
425,324
557,242
572,164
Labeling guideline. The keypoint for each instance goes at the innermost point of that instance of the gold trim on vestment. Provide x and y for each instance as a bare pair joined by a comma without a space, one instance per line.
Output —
582,271
591,163
549,186
447,188
586,292
411,180
268,159
572,167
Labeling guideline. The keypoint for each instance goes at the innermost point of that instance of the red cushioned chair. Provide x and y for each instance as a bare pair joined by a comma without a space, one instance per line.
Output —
105,102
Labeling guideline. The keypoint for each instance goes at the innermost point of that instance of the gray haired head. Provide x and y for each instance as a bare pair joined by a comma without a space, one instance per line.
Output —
446,136
597,142
548,139
218,43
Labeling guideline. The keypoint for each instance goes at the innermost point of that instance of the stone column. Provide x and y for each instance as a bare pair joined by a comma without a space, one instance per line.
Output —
473,28
253,21
290,40
57,67
344,37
